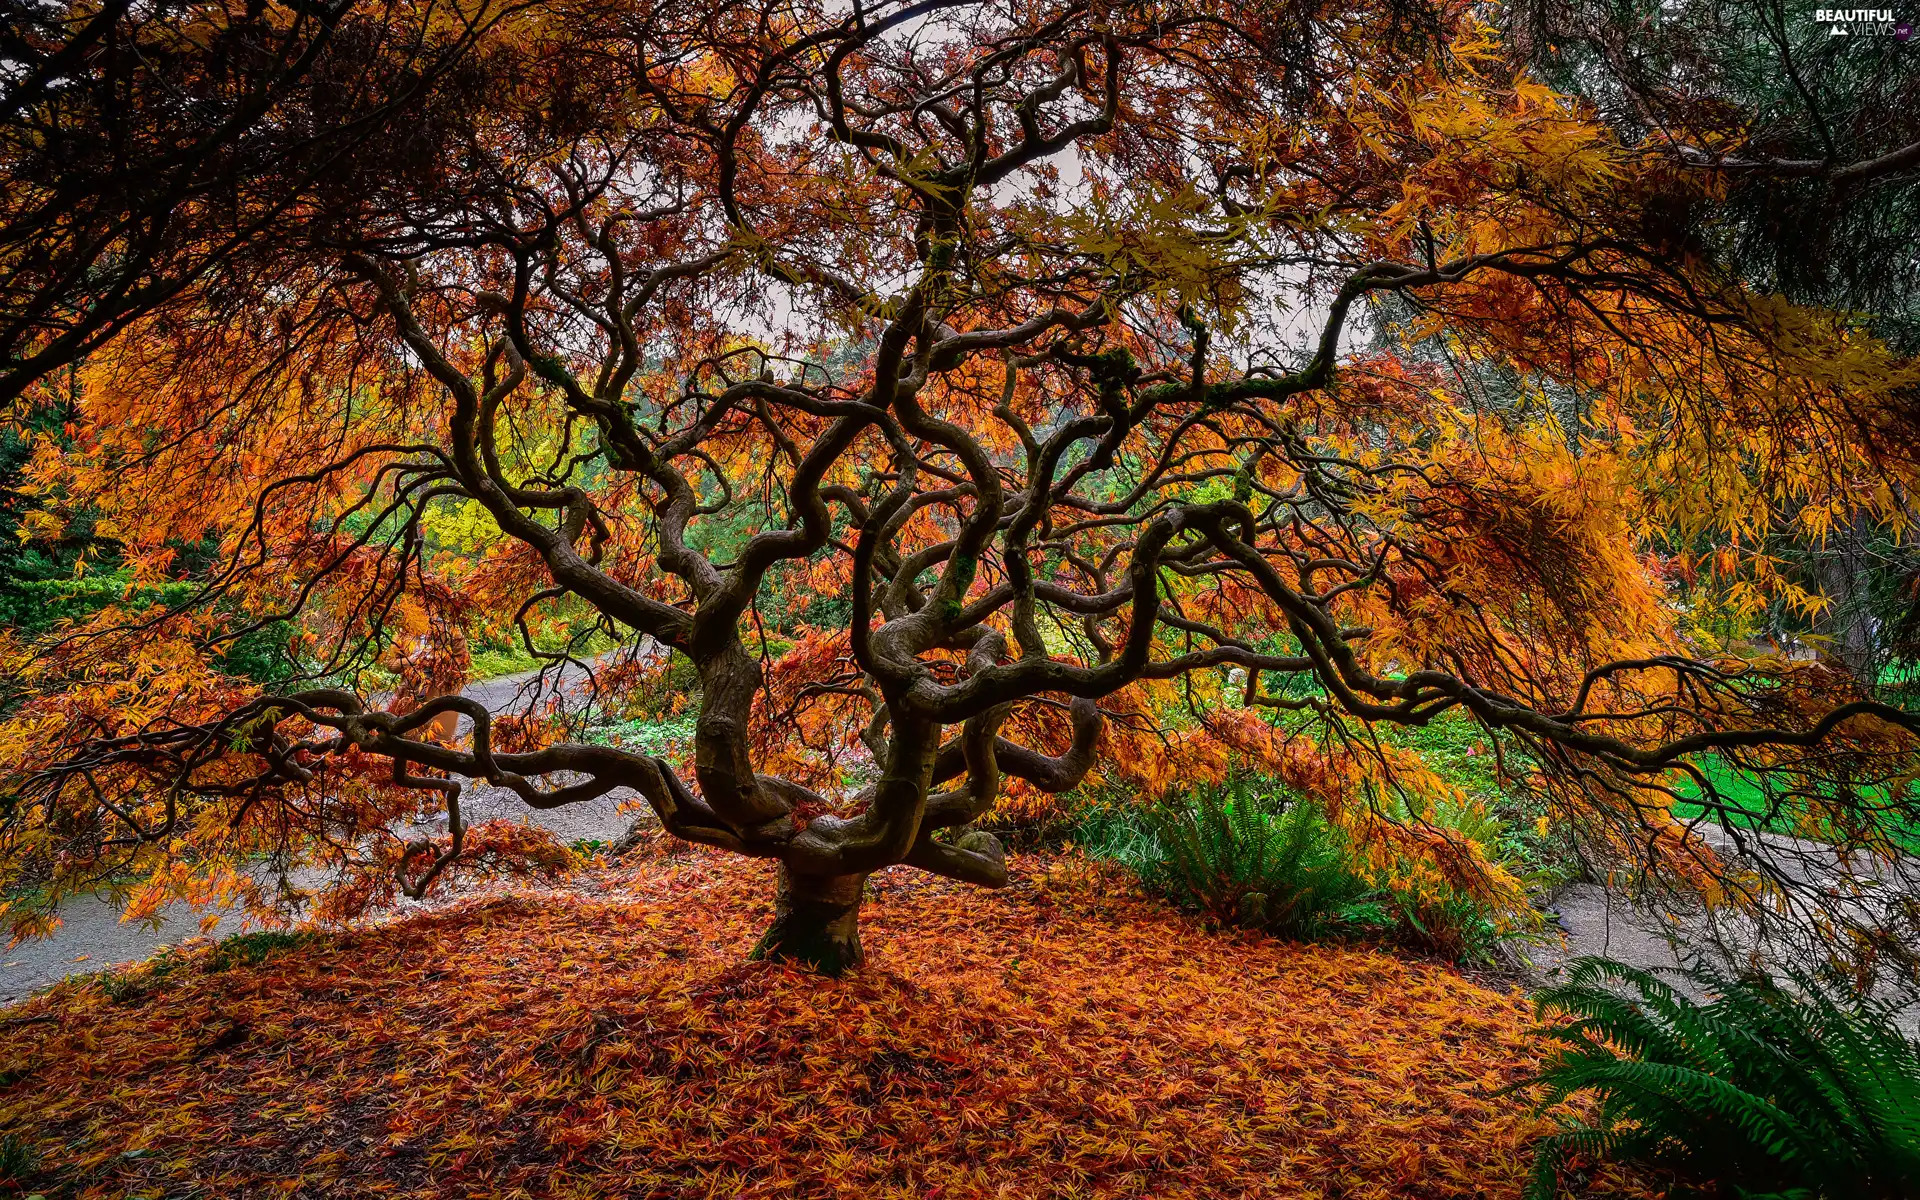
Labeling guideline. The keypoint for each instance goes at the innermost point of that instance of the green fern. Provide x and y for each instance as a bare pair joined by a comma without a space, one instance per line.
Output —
1770,1091
1242,853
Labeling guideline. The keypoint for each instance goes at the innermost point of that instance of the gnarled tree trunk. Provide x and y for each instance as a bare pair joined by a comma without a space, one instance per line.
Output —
816,922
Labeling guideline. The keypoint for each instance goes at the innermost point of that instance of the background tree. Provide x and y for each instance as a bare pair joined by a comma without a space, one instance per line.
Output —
1020,327
1814,137
148,147
1813,141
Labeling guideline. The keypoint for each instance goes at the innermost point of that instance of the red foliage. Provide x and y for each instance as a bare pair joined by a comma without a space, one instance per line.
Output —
1045,1041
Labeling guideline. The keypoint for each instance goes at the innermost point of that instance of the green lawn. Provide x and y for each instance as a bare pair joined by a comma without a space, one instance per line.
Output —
1457,748
1743,793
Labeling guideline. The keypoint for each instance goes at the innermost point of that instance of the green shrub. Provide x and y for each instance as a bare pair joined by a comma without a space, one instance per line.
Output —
1456,927
667,735
1243,853
1507,822
252,949
130,985
135,983
32,606
1248,853
18,1162
261,654
1764,1091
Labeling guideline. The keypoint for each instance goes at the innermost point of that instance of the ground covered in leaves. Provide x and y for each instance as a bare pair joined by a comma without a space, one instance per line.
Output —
1052,1040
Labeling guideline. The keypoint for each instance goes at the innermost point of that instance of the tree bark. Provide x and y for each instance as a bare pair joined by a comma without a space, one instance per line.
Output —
816,922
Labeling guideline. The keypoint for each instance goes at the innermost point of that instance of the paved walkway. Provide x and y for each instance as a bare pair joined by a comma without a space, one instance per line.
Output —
92,936
1599,921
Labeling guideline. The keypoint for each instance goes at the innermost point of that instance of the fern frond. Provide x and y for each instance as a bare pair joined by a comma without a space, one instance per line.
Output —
1772,1088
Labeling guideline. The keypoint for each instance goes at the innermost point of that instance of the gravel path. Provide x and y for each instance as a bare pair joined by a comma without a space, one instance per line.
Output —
1600,921
92,937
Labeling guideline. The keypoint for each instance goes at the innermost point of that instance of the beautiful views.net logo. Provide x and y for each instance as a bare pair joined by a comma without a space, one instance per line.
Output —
1863,22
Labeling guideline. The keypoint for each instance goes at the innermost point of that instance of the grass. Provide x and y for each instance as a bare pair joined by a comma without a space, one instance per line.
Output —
18,1162
496,661
1047,1040
1456,748
136,983
513,658
252,949
1740,792
1743,794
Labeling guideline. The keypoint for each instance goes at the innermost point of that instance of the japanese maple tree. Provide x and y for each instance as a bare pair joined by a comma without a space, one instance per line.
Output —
1086,353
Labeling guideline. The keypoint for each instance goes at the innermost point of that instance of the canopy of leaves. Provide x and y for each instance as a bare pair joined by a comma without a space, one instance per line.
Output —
1020,349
